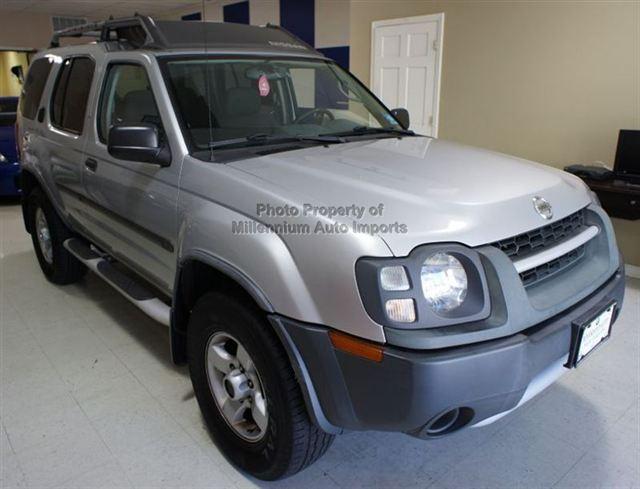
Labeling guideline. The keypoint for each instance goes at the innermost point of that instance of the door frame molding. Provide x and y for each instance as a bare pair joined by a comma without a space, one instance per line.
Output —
439,18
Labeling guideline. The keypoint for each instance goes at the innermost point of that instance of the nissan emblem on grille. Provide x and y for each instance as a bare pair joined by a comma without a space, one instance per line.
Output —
543,207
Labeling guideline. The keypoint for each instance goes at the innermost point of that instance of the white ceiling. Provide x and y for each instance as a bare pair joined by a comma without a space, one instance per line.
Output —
98,9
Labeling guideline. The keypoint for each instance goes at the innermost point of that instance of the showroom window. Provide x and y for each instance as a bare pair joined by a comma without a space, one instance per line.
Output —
71,94
34,86
126,99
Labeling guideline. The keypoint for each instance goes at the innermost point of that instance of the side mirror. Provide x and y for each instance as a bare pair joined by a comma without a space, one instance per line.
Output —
18,73
402,115
138,143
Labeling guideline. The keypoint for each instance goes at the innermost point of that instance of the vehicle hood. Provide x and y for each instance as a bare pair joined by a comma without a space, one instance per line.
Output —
440,191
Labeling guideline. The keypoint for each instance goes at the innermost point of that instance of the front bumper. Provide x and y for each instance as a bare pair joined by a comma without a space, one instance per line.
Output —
408,389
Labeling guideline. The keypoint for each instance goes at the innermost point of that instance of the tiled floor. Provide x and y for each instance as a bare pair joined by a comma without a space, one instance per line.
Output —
90,399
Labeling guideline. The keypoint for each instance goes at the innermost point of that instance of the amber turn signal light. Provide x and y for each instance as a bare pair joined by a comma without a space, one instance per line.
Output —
355,346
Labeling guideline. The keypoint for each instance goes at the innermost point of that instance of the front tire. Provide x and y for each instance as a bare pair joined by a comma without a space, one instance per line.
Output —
272,441
48,234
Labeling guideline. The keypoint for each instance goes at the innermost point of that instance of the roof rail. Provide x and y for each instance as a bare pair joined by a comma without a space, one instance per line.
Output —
140,30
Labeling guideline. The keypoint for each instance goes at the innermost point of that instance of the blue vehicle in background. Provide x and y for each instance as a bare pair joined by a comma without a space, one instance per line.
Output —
9,165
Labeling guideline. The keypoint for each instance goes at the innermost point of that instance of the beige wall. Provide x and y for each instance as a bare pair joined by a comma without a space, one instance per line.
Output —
550,81
9,84
332,23
24,30
262,12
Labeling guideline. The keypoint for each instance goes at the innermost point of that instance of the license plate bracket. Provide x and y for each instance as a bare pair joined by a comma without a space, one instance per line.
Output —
587,335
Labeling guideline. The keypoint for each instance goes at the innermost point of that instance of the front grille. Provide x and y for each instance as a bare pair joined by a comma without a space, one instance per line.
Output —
527,243
535,275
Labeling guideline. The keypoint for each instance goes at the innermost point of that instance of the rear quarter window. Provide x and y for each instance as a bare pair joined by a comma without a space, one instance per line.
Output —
71,94
34,86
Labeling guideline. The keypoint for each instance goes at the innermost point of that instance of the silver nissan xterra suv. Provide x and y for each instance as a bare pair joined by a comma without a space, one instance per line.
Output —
321,267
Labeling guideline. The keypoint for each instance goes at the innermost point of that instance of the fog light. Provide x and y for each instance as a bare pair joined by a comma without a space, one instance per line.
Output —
401,310
394,278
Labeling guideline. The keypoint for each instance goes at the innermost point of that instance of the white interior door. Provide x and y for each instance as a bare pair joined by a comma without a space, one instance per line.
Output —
405,67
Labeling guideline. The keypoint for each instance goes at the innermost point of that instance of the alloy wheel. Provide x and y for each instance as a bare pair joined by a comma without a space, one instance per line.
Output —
236,387
44,236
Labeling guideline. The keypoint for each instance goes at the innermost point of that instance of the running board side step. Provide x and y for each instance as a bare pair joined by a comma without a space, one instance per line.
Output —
131,289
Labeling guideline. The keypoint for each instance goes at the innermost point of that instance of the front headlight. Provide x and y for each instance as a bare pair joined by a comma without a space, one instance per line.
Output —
3,158
444,282
436,285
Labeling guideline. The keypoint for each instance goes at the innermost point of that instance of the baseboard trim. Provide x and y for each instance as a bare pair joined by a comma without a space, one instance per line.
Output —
632,271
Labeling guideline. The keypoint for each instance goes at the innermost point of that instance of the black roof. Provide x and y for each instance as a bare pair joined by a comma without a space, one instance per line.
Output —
141,32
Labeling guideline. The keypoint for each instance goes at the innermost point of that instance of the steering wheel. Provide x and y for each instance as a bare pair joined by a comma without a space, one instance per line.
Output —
318,115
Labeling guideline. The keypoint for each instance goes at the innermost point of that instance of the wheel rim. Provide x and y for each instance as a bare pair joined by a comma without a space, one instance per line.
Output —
236,387
44,236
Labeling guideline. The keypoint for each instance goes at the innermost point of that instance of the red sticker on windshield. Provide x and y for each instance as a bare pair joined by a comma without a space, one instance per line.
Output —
263,86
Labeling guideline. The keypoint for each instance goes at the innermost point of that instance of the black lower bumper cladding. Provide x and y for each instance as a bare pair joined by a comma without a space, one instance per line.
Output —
410,388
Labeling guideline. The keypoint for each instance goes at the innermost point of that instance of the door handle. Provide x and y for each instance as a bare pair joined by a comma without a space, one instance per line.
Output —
91,164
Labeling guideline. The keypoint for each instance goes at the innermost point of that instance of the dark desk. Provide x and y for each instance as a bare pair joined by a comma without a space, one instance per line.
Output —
619,198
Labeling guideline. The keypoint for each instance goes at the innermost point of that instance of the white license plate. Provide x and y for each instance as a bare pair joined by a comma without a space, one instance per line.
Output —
594,332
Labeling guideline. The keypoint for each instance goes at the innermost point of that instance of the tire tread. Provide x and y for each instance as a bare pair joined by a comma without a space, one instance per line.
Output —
66,269
307,442
310,442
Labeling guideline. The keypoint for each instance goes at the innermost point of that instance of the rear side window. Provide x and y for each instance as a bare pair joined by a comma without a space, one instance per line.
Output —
69,102
33,87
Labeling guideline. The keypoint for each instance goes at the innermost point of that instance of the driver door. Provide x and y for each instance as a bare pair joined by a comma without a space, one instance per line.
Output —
133,204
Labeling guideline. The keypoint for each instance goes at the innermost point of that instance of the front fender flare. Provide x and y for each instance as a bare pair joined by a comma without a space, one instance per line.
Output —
179,316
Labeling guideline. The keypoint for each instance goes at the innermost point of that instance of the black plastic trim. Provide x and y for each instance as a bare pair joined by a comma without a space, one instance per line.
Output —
179,313
476,306
314,407
577,333
130,286
408,389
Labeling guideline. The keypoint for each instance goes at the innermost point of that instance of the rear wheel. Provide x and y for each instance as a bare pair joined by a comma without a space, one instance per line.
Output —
48,234
247,390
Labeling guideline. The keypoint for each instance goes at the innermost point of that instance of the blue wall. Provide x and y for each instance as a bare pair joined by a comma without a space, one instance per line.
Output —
340,54
299,18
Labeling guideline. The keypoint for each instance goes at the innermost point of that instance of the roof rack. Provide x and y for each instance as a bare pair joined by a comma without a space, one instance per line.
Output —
140,30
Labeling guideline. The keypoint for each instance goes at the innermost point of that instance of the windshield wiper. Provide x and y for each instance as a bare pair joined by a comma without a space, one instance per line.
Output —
261,138
356,131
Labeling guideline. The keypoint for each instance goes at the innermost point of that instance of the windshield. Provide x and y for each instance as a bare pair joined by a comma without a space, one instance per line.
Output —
239,101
